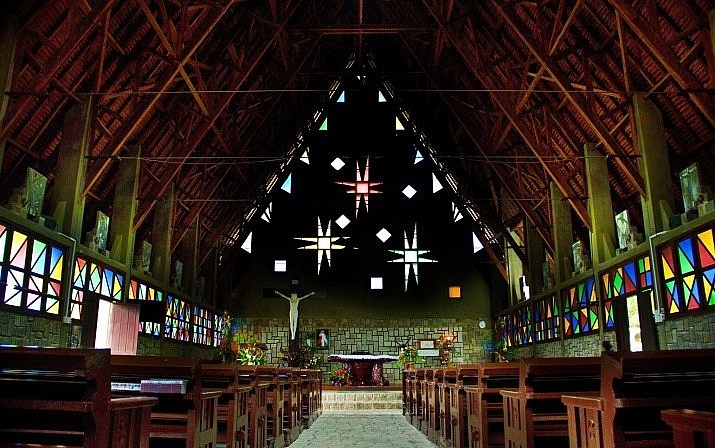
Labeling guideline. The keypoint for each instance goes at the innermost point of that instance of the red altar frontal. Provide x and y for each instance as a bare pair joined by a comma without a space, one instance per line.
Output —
363,369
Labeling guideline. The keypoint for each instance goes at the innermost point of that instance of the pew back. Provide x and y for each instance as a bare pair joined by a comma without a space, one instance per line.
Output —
535,411
636,386
185,410
61,396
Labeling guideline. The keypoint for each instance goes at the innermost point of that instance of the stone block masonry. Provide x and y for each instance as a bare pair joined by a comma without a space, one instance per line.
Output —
20,329
378,336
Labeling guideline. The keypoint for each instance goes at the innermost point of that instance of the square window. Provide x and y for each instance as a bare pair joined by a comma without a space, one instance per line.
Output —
455,292
375,282
280,266
324,243
362,187
411,256
409,191
384,235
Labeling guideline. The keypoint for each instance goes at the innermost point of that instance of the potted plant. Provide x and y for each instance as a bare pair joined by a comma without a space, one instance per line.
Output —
339,377
408,358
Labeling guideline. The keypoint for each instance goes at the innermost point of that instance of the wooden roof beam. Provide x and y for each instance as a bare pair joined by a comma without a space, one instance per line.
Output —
71,45
657,47
132,123
479,147
508,111
207,123
170,49
578,102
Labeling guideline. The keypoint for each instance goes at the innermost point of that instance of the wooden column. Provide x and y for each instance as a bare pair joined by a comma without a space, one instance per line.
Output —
121,225
190,249
658,203
68,201
600,207
515,272
563,234
162,231
8,32
536,256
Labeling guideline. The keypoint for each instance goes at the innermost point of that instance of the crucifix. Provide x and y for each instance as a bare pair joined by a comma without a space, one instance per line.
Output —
293,296
293,313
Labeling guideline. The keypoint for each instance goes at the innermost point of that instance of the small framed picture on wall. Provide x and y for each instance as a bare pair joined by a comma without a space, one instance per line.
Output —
322,338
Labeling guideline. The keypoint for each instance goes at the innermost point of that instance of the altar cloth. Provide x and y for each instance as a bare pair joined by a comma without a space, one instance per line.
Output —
343,358
362,369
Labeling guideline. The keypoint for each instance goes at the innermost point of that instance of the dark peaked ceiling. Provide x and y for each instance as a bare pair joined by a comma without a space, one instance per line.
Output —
215,93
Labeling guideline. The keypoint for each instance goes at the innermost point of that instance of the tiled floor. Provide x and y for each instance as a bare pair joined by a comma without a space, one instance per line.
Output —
341,430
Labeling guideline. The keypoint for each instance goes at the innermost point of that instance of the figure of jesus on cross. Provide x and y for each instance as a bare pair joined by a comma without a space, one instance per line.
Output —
293,314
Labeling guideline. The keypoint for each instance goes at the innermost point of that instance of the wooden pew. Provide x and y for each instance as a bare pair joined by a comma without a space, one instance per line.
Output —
233,404
292,426
433,378
483,403
447,393
635,388
257,407
274,404
186,411
311,387
691,429
422,418
411,394
61,397
534,415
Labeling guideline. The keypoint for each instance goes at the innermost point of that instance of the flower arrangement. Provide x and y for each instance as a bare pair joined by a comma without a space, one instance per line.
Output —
500,347
339,377
251,354
408,358
239,347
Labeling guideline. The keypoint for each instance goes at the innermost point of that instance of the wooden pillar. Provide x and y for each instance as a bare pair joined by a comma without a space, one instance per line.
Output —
121,224
190,249
8,34
600,207
68,201
536,257
658,203
711,51
162,231
516,270
563,234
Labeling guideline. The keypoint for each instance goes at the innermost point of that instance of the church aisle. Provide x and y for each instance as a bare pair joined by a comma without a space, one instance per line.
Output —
333,430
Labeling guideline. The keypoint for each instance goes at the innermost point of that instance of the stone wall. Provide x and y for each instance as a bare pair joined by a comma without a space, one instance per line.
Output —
151,346
692,331
378,336
589,345
21,329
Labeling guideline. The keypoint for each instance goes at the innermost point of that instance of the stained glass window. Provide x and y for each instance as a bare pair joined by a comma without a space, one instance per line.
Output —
90,277
624,281
546,318
141,291
3,258
519,327
203,321
178,319
217,328
32,272
580,309
688,272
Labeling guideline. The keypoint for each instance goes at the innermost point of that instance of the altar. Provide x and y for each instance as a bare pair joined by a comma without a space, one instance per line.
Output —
363,369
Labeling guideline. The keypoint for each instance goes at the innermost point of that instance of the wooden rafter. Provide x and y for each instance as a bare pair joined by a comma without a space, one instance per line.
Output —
235,84
77,37
662,52
133,122
577,101
509,112
169,47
